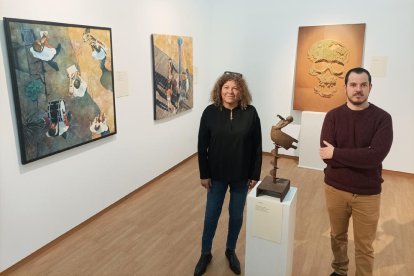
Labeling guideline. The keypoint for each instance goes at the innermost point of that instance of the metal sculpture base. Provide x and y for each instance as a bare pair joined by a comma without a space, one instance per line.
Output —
278,189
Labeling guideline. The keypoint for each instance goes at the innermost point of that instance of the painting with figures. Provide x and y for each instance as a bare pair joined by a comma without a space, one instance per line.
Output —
62,85
172,74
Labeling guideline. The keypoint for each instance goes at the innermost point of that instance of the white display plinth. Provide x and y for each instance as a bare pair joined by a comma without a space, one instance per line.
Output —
310,133
270,251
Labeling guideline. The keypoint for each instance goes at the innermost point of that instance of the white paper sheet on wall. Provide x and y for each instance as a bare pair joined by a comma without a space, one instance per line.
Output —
267,220
378,67
121,84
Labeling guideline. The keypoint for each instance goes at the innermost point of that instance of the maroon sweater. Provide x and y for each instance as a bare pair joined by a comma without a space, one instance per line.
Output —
362,139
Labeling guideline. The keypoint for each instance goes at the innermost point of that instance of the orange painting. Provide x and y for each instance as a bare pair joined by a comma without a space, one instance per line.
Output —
324,55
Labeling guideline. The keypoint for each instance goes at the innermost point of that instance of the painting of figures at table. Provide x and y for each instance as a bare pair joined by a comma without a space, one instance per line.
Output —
172,74
63,87
324,55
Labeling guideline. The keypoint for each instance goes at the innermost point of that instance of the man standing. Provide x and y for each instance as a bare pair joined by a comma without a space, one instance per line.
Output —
355,139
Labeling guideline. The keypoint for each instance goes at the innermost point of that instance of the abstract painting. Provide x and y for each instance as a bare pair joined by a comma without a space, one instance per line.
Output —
324,55
63,85
172,74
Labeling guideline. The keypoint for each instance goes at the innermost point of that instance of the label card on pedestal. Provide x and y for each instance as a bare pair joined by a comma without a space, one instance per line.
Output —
267,220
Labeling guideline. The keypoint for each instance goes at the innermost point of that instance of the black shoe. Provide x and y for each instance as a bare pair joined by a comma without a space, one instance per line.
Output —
202,264
336,274
233,261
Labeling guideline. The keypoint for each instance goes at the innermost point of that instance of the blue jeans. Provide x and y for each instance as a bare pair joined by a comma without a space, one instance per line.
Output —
215,199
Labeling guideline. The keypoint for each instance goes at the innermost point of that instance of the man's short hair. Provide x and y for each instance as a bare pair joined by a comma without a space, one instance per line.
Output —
357,70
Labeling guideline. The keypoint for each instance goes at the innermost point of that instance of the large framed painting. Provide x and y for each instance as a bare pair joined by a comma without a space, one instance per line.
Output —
63,85
172,74
324,55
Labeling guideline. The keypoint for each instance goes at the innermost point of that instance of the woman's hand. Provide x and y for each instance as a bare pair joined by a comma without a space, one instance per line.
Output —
251,183
206,183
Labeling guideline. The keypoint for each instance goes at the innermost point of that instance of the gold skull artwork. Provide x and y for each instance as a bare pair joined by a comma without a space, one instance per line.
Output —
328,61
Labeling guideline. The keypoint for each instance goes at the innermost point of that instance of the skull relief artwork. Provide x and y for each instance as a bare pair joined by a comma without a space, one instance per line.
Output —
324,55
328,58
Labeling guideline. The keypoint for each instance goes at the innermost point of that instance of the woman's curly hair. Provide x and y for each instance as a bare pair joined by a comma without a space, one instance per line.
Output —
245,96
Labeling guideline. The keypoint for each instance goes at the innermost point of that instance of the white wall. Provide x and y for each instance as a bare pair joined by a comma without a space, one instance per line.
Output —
257,38
35,210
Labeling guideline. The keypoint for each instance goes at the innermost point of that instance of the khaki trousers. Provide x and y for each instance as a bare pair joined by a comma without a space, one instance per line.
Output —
365,211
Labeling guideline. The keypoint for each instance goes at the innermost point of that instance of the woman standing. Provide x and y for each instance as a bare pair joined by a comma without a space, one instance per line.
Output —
229,155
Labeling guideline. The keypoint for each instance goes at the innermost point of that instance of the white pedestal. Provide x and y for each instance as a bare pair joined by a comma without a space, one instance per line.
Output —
272,252
310,133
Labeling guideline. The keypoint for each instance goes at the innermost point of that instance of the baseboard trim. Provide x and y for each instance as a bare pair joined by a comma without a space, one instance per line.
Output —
406,174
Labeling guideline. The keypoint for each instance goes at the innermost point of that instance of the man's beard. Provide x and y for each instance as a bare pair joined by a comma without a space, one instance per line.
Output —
355,102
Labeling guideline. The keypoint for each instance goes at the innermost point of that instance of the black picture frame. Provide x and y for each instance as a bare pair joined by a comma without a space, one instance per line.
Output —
63,85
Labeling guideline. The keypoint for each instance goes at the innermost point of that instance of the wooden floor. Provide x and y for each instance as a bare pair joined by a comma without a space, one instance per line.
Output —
157,231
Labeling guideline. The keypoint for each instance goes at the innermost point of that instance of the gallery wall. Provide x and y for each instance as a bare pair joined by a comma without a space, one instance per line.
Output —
260,41
42,200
